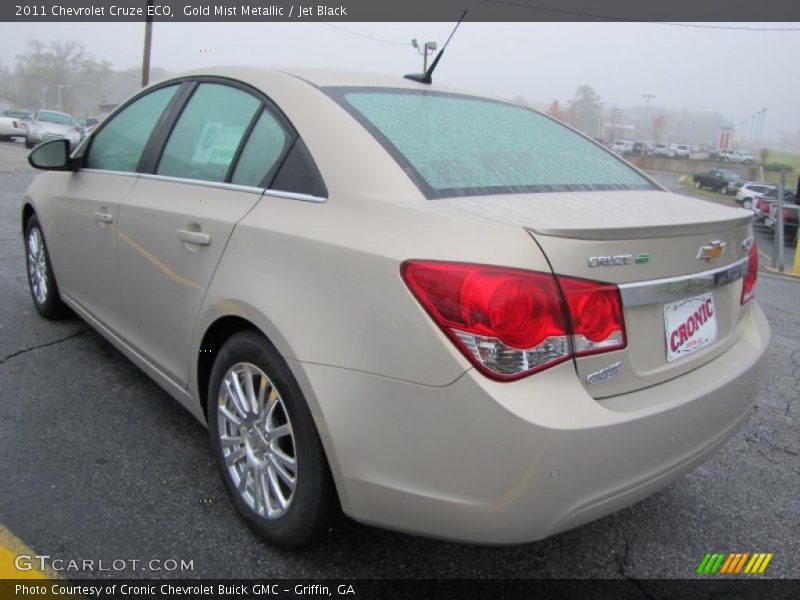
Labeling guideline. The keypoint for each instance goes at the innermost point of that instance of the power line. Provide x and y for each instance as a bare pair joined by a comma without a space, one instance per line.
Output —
628,20
366,37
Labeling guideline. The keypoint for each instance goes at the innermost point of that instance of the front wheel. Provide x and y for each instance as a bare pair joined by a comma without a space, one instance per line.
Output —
266,444
41,279
747,203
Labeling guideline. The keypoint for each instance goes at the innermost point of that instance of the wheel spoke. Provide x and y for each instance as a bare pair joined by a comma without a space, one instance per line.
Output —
262,392
239,396
234,398
284,459
279,432
249,390
235,456
227,441
275,487
287,477
229,416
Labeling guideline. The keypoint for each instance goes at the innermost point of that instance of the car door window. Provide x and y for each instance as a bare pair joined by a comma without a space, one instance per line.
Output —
119,144
205,139
261,152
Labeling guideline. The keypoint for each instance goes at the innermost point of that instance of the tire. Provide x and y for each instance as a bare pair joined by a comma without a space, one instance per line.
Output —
41,278
29,144
747,203
278,445
698,185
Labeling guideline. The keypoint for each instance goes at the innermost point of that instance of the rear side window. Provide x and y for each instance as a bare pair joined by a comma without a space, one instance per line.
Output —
457,145
205,139
261,152
119,144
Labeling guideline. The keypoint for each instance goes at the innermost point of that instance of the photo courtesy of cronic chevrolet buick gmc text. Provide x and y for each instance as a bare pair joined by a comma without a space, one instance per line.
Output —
474,324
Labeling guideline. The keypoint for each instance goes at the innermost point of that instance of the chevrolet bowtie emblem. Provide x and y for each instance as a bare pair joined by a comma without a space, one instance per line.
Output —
711,251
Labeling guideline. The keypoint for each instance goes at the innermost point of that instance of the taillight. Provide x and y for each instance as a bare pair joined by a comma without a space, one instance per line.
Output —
750,277
15,125
511,323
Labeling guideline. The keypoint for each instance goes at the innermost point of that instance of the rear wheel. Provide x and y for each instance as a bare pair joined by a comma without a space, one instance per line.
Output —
41,279
29,144
747,203
266,444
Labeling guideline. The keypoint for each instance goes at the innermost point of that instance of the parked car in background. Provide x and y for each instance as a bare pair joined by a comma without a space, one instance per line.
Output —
748,191
762,205
14,124
660,150
376,319
790,218
620,146
734,155
716,179
639,148
89,125
679,151
52,125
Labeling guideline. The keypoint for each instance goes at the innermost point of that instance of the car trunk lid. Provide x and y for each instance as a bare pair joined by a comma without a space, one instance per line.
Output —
650,243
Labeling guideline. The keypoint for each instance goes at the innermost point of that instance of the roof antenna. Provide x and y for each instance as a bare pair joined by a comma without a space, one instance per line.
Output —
426,76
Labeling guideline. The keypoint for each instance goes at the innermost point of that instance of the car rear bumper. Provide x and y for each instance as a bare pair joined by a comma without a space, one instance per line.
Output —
498,463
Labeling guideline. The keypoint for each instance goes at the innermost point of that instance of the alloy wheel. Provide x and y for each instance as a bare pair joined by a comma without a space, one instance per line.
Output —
257,440
37,265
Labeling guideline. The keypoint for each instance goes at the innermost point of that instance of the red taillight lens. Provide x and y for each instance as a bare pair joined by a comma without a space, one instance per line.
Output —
596,312
750,277
511,323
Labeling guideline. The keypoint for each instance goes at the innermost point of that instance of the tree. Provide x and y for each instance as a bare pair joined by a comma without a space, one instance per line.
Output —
41,70
659,123
555,111
585,110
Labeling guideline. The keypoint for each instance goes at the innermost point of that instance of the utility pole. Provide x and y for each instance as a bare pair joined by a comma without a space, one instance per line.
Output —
777,247
44,90
60,87
763,114
148,39
426,50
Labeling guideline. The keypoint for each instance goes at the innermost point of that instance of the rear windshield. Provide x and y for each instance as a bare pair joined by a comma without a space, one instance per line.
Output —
458,145
54,117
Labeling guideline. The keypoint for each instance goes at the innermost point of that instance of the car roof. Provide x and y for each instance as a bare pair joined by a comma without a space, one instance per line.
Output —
263,76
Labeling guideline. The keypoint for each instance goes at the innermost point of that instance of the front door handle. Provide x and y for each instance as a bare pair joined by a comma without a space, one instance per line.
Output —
102,216
194,237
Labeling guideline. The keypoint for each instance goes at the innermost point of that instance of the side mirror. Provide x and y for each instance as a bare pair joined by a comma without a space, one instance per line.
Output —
51,156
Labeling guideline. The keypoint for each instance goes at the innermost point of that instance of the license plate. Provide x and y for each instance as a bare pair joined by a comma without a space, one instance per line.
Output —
691,324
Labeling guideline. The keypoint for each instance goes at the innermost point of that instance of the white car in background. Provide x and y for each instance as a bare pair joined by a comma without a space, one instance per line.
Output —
679,151
750,191
14,124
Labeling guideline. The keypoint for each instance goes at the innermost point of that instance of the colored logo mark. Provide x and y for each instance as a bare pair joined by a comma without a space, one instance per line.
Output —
735,562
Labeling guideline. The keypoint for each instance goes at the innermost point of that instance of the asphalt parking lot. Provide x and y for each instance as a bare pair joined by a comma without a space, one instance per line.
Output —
99,463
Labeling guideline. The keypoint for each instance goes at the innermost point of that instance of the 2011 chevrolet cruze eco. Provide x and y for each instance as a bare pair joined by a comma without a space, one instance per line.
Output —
434,311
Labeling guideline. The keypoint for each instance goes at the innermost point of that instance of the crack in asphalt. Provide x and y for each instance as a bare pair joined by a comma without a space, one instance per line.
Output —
622,564
75,334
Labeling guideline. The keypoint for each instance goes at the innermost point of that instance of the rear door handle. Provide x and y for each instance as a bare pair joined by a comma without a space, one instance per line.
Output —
194,237
102,216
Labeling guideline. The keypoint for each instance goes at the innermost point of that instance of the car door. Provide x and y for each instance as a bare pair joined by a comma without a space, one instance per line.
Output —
174,225
82,232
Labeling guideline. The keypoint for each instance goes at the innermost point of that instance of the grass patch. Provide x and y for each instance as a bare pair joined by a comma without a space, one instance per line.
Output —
785,158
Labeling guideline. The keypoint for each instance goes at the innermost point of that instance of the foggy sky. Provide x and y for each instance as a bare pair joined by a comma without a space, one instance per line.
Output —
735,72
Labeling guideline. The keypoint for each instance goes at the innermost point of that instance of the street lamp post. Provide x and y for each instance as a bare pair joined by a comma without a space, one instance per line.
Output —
44,91
426,50
60,87
647,98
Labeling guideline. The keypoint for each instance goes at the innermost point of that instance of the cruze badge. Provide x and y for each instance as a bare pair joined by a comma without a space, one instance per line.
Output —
711,251
604,374
617,260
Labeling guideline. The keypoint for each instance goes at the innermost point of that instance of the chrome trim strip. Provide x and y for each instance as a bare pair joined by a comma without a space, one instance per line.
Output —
295,196
105,172
671,289
200,182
